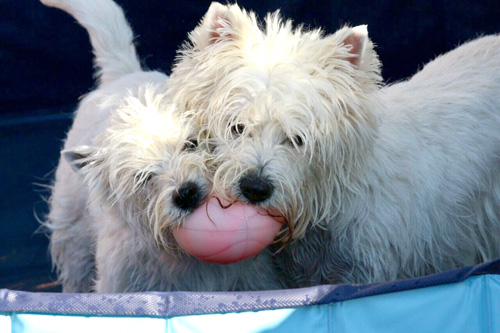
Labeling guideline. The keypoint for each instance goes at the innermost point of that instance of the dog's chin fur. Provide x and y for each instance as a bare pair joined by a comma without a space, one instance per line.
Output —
112,210
376,183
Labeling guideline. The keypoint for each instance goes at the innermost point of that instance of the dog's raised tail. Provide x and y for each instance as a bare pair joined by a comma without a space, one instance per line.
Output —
110,35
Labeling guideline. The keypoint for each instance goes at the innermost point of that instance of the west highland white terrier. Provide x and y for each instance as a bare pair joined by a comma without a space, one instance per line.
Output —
130,174
375,182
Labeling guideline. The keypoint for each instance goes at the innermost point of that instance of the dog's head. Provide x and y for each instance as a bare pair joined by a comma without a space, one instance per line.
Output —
146,164
288,110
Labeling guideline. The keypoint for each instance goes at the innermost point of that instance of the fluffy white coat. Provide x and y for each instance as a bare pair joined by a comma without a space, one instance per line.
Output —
125,159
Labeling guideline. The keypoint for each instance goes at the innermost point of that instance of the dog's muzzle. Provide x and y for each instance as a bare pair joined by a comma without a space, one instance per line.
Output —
255,188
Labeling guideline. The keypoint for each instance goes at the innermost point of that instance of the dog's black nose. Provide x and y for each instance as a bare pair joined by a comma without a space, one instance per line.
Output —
256,188
188,196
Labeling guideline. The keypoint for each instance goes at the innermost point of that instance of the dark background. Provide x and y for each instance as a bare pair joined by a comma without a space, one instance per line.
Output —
46,65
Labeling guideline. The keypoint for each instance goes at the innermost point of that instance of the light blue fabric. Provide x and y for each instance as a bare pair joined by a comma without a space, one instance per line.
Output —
34,323
469,306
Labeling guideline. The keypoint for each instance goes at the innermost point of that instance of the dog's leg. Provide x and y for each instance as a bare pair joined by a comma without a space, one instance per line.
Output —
110,35
125,259
486,212
71,243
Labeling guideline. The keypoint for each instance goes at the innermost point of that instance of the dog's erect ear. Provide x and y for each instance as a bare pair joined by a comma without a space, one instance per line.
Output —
356,47
220,23
357,40
216,21
78,157
353,45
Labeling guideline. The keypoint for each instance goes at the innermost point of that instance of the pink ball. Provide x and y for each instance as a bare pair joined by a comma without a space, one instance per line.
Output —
226,235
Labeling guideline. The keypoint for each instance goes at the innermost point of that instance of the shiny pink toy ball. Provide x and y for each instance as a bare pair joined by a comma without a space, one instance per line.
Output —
226,235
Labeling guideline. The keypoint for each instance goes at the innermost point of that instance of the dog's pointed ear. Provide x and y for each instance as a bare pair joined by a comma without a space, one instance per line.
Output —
357,41
220,23
354,45
79,157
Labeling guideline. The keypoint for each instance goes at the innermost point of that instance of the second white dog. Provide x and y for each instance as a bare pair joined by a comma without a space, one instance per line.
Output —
131,172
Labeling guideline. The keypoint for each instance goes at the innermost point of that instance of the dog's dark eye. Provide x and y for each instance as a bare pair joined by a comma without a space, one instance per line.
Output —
237,129
296,141
143,177
191,145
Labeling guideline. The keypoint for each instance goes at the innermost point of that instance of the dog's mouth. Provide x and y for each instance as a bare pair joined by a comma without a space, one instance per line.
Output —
224,233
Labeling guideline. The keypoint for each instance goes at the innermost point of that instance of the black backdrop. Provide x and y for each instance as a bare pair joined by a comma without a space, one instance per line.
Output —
45,66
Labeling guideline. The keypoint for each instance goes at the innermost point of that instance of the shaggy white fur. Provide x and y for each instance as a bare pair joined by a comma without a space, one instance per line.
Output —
131,172
376,183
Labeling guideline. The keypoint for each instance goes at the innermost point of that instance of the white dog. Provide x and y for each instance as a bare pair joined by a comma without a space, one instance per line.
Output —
137,174
376,183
